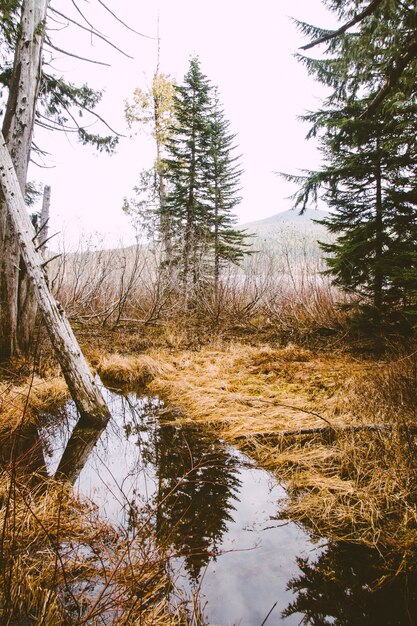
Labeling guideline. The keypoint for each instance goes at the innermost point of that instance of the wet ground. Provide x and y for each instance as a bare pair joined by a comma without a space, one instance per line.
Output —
217,513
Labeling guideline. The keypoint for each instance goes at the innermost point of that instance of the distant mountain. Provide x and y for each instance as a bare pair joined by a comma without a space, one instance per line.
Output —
269,226
290,233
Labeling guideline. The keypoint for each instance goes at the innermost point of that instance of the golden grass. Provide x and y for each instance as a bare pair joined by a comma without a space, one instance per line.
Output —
23,402
60,562
243,390
358,486
130,371
54,548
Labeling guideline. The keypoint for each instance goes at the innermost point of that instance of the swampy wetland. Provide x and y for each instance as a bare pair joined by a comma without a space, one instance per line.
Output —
215,494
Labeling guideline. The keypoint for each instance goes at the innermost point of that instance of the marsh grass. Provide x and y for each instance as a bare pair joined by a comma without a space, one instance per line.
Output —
61,563
354,476
22,403
131,371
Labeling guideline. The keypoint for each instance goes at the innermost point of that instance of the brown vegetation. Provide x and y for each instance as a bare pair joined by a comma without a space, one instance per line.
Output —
62,564
351,475
271,371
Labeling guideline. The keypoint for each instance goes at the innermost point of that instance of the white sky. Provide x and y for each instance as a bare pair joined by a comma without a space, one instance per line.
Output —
245,48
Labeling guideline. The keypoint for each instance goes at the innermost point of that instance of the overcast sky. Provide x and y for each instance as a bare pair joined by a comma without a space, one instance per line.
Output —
245,48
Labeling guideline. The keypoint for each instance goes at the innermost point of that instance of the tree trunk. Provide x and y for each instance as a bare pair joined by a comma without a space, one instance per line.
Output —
26,300
78,449
18,130
379,238
43,226
85,393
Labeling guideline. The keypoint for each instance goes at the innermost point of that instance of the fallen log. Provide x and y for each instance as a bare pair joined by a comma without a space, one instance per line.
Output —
329,430
83,389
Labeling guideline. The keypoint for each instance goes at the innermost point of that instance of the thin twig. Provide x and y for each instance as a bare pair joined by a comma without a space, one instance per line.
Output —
286,406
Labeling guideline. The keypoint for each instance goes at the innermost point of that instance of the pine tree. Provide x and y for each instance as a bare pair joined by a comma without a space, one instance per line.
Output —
369,164
203,178
185,208
228,244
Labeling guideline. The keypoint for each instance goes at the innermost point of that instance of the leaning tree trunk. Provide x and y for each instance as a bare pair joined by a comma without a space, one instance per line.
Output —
18,130
83,389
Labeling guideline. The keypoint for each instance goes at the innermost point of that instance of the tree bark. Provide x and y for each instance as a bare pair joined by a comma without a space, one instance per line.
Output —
27,305
18,130
379,240
86,395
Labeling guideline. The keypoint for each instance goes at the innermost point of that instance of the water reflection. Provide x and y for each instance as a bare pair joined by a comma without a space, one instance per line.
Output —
340,588
24,451
83,440
197,486
191,482
204,500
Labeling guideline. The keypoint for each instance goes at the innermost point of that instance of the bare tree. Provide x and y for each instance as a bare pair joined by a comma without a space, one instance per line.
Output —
17,130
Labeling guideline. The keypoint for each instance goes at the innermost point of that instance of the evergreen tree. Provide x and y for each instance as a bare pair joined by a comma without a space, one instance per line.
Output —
228,244
370,164
203,178
185,207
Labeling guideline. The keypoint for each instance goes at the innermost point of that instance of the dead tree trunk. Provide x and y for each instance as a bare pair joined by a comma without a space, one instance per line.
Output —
43,226
18,130
83,389
26,299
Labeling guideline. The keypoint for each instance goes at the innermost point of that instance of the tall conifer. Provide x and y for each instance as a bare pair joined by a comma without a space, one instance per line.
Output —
370,162
203,179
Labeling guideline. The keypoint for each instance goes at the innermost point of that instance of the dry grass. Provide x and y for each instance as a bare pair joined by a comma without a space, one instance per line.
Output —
23,402
62,564
358,485
131,371
243,391
353,485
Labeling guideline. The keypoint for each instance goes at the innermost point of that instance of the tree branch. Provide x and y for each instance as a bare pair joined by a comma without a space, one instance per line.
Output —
76,56
355,20
92,32
123,23
321,430
392,80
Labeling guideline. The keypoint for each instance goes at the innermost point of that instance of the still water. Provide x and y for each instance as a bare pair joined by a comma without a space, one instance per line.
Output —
217,513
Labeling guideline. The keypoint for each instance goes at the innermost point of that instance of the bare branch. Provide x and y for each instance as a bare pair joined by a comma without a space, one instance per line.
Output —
123,23
323,430
250,399
56,256
77,8
76,56
92,32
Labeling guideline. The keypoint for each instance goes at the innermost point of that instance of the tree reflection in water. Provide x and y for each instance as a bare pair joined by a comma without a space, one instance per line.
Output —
194,479
196,486
340,589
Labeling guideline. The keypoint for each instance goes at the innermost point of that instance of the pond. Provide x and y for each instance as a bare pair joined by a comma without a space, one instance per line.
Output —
217,512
